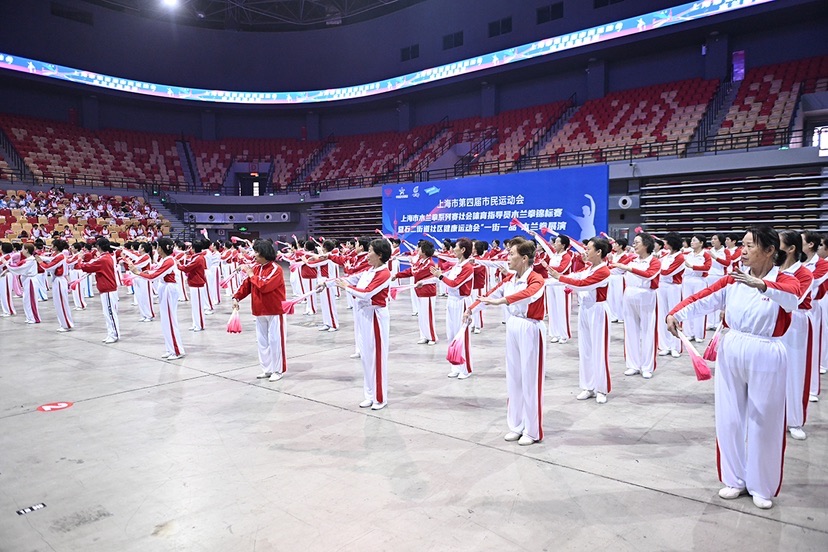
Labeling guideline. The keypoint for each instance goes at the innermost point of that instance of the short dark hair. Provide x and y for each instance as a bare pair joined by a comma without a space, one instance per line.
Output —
166,245
792,238
265,249
602,245
426,247
525,248
466,245
198,246
622,242
673,240
564,241
6,247
700,237
809,236
480,246
767,238
381,247
365,242
329,245
647,240
104,245
60,245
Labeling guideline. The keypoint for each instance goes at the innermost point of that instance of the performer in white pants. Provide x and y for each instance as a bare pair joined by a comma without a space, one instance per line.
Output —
559,304
593,322
698,263
426,289
27,270
669,293
265,284
60,287
640,308
6,281
213,276
458,282
195,268
142,287
105,280
798,339
371,313
164,274
615,293
522,292
720,262
818,267
76,274
752,360
326,288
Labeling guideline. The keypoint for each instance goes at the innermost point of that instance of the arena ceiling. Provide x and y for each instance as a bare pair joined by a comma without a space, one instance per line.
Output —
260,15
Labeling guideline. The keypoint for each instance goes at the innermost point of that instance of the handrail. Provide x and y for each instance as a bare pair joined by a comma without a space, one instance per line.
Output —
542,130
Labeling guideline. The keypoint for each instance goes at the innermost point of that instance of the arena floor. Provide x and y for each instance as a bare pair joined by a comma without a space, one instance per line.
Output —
198,455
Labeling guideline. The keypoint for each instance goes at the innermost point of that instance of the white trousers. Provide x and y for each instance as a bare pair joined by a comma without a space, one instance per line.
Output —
198,297
525,372
798,340
168,305
30,300
477,317
696,326
270,340
817,346
77,293
374,326
88,286
615,297
327,303
143,295
60,298
750,412
714,317
425,318
455,307
640,312
295,284
41,287
593,349
668,296
180,281
6,293
308,284
213,278
109,307
823,327
559,306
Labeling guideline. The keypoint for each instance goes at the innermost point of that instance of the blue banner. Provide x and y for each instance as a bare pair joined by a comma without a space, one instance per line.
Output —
573,202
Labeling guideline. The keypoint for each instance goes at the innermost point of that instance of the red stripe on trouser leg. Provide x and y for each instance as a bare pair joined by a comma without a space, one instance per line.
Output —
655,340
63,301
606,353
283,354
33,302
431,319
172,328
149,298
782,463
540,385
567,307
808,362
468,350
719,461
378,367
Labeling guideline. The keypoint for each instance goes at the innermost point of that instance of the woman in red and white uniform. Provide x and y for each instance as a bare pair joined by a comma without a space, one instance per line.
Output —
265,284
75,273
309,275
698,263
593,322
522,293
371,314
615,295
478,282
641,307
799,338
559,304
6,281
458,282
195,268
164,274
142,259
426,288
326,281
60,287
103,266
669,293
818,313
720,261
752,361
26,269
734,251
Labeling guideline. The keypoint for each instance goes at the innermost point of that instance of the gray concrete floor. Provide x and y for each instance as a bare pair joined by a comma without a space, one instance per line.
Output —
198,455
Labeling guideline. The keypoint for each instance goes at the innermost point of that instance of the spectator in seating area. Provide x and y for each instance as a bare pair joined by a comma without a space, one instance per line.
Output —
3,203
23,235
67,232
132,232
29,196
13,204
38,232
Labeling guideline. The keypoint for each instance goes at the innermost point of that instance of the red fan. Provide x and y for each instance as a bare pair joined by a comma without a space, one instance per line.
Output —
567,290
638,230
289,307
455,349
294,267
234,324
127,279
394,291
204,233
224,283
699,365
710,351
73,285
234,239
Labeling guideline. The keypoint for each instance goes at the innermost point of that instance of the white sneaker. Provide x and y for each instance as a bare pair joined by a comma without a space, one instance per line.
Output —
355,355
464,375
525,440
324,329
61,330
422,341
198,329
30,322
477,330
674,354
699,340
166,356
562,340
512,436
646,375
264,375
275,376
6,314
333,330
822,370
763,503
209,311
147,319
553,339
378,406
367,403
729,493
797,433
453,374
110,340
600,398
664,352
432,343
632,372
175,357
584,395
813,398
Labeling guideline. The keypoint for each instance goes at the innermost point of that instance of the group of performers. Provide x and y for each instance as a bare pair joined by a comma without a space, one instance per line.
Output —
766,296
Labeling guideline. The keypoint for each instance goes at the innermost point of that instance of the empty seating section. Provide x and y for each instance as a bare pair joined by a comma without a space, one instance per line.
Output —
789,200
369,154
129,211
54,150
767,100
4,166
214,158
651,121
346,219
